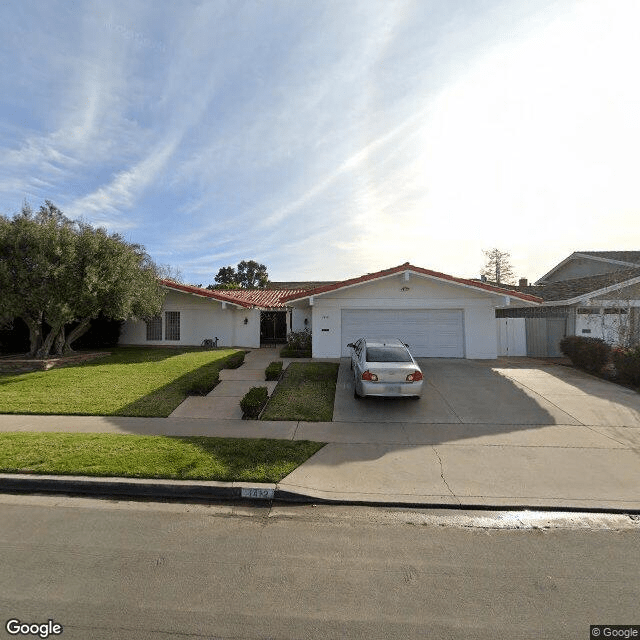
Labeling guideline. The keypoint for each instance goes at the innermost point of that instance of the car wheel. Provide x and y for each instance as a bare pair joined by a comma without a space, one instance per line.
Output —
356,396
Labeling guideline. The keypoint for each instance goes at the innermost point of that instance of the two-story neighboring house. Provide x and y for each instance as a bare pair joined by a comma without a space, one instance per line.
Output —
589,293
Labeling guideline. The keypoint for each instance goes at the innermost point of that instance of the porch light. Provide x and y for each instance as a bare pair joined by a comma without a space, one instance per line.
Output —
306,321
246,320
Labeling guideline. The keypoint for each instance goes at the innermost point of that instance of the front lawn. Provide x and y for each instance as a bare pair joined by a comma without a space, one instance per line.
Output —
306,391
132,381
132,456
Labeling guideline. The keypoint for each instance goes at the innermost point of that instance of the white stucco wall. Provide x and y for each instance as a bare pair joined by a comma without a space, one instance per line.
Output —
200,318
298,316
423,293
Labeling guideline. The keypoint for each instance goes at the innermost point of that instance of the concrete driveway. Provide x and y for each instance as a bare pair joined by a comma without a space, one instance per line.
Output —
500,392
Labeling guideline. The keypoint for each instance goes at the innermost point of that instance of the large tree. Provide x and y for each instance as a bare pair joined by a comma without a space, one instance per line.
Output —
55,272
498,266
249,275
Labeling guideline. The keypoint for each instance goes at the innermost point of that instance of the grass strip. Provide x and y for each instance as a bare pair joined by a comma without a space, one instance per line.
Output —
133,456
132,381
306,391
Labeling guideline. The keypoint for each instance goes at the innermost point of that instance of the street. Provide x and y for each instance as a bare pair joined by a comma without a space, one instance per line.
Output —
124,569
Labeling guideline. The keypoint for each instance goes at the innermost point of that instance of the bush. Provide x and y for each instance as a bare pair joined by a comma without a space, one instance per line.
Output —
589,354
273,371
234,361
627,364
298,345
253,402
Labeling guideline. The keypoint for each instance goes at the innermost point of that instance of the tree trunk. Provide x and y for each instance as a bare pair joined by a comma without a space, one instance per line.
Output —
44,350
80,330
35,333
60,343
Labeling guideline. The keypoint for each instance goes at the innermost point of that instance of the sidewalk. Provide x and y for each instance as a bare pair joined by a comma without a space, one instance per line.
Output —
429,465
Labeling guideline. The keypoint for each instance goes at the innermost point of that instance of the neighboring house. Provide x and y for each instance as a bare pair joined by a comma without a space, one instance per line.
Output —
590,293
438,315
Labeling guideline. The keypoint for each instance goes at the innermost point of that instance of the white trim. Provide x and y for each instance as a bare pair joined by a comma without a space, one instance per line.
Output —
199,295
502,292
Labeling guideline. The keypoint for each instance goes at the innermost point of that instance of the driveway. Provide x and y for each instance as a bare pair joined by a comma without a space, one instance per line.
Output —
504,391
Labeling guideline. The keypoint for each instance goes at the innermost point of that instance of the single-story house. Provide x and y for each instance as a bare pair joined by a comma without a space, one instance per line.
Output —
437,314
589,293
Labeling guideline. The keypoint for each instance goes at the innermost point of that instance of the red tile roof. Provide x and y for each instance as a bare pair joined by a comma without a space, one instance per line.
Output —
263,298
409,267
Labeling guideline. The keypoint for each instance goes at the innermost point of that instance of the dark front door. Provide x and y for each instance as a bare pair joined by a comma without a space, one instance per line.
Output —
273,326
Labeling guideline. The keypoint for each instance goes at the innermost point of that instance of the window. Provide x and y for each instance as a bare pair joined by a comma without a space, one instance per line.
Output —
172,325
154,328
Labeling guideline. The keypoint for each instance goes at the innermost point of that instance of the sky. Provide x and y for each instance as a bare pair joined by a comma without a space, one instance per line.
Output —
328,138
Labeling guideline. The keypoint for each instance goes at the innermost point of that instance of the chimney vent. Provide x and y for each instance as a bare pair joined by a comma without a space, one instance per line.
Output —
523,282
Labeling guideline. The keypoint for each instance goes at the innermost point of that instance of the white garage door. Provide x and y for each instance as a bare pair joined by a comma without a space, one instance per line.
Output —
430,333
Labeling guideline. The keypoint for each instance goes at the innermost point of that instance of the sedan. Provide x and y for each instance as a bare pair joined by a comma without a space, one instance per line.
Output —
384,367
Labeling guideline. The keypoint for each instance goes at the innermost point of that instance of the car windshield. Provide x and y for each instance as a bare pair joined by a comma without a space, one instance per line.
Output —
387,354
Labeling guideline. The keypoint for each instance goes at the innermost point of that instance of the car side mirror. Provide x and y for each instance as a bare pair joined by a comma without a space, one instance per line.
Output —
351,345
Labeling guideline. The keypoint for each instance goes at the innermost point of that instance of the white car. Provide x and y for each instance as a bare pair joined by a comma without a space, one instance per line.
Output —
384,367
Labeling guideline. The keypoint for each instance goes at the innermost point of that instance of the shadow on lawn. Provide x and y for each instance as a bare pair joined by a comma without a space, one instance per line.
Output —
199,382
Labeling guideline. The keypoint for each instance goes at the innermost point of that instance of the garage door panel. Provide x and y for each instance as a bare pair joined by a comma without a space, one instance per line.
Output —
436,333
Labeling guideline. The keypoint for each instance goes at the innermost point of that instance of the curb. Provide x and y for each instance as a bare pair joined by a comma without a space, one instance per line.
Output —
136,487
213,490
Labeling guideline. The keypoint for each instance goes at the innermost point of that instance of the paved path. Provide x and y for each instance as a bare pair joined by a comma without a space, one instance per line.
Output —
224,401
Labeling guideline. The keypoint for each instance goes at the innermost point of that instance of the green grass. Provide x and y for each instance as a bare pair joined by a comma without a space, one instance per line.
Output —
133,381
306,391
132,456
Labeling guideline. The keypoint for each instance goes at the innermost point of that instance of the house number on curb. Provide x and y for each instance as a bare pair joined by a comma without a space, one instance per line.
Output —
264,494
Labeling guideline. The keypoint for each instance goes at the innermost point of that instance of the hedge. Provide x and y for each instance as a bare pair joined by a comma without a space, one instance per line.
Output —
253,402
627,364
590,354
273,371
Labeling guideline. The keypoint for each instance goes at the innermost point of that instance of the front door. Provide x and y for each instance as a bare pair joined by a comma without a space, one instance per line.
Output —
273,326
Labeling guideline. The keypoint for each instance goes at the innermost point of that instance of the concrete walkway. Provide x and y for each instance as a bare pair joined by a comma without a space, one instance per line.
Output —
224,401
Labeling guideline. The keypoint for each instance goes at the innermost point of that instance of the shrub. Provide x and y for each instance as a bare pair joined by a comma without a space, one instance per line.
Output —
273,371
298,345
235,360
590,354
627,364
253,402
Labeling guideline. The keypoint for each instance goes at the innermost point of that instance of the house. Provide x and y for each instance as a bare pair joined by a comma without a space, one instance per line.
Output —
190,315
589,293
437,314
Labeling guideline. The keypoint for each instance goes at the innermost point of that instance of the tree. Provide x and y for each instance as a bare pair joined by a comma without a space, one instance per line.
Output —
55,272
498,267
249,275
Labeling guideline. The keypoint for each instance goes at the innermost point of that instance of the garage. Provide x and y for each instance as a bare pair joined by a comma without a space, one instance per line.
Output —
430,333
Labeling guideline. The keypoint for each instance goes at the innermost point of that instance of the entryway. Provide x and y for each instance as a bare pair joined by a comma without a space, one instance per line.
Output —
273,327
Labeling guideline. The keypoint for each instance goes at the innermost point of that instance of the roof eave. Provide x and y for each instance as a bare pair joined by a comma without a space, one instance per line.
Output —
415,270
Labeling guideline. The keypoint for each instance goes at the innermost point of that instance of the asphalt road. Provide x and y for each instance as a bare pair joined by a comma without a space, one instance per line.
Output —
115,569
